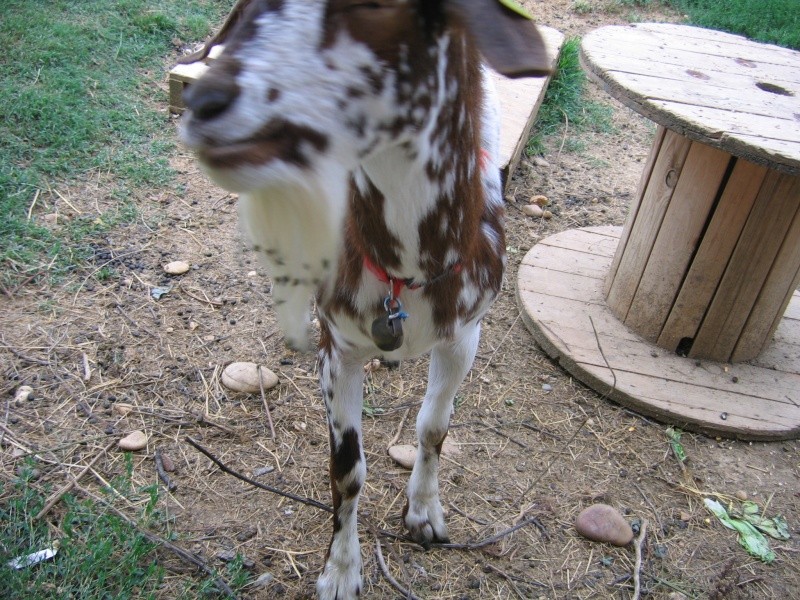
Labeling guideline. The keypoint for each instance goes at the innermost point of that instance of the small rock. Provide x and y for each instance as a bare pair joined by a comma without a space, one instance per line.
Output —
259,471
121,409
403,454
540,200
24,392
193,325
133,441
263,580
546,214
226,555
685,516
176,267
546,387
167,463
243,377
299,426
540,161
741,495
533,210
246,534
603,523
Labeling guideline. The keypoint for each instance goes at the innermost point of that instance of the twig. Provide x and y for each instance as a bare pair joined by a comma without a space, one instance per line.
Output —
33,204
214,303
266,406
399,428
54,499
508,579
225,469
637,584
490,540
162,473
24,357
156,539
603,354
406,593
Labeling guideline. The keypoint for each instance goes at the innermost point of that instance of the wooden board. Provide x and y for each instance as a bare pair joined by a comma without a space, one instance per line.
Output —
561,299
520,99
713,87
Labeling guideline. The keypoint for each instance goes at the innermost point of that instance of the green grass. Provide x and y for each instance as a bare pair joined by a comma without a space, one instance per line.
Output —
99,555
565,105
773,21
79,96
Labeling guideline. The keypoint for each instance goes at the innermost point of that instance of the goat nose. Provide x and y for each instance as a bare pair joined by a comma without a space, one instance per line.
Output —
208,98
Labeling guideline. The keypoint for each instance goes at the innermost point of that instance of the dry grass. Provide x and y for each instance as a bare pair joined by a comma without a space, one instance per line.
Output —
525,455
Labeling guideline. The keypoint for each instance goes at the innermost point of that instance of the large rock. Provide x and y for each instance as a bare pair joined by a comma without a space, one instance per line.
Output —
603,523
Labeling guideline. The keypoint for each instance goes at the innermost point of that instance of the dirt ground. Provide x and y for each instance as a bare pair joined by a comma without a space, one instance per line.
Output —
533,445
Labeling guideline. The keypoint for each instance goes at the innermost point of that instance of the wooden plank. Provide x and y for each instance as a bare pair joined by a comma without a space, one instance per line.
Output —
780,283
677,239
749,100
591,242
568,286
644,230
713,254
633,211
631,356
728,92
564,260
520,100
747,270
680,66
763,403
697,46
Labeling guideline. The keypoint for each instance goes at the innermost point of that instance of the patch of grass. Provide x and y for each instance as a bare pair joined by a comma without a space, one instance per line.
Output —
99,556
79,86
772,21
566,105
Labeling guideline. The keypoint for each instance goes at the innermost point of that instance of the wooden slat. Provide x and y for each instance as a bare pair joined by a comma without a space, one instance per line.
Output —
728,92
590,242
633,211
747,270
650,214
713,253
745,400
780,283
677,239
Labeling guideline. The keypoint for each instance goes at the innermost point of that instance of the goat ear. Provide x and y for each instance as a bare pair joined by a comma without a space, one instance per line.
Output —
509,41
233,19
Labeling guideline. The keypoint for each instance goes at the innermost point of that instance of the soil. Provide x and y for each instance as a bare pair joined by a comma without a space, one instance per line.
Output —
533,445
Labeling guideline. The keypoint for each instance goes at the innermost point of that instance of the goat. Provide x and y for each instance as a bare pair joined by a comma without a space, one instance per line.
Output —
363,138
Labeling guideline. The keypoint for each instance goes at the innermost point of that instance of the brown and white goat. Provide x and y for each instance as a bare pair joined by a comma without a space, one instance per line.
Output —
363,138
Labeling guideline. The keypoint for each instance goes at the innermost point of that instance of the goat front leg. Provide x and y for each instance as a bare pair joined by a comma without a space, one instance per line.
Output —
341,381
450,362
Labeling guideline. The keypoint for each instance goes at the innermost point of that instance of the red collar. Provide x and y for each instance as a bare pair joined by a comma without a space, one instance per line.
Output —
397,284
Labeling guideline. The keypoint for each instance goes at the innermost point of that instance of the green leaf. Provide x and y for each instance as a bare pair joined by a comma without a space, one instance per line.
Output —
775,527
749,537
517,8
674,436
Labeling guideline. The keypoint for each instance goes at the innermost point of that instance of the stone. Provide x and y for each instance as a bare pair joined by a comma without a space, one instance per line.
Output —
121,409
134,441
405,454
24,392
540,200
533,210
176,267
243,377
604,523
